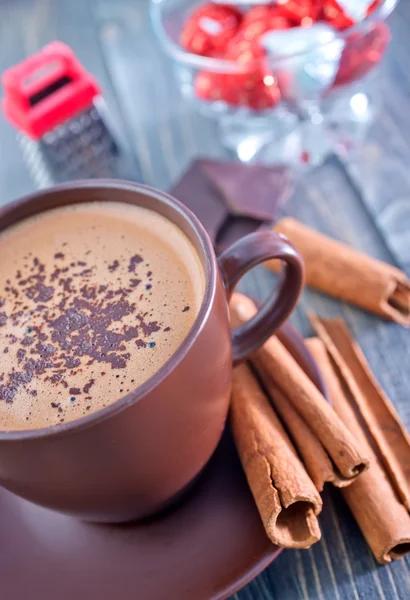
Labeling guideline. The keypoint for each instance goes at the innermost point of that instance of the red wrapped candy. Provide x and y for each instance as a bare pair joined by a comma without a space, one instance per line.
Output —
255,88
245,46
259,20
264,92
362,53
208,86
209,29
299,12
241,50
255,13
334,14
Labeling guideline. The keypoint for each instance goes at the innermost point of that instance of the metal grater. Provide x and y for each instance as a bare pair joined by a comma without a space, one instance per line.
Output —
63,124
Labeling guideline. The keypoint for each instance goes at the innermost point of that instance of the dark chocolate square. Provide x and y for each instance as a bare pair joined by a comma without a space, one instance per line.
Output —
232,199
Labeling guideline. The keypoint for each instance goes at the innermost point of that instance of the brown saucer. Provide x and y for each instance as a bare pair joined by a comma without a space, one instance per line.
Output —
206,548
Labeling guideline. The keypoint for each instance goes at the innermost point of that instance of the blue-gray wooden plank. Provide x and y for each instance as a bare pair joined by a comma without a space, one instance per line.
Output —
381,168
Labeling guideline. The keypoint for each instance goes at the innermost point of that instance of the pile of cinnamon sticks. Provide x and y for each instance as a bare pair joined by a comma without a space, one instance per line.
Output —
291,440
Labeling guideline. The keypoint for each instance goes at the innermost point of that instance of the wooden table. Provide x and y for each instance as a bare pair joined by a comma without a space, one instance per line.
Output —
366,204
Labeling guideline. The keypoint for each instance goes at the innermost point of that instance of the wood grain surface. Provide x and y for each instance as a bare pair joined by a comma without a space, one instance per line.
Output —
365,203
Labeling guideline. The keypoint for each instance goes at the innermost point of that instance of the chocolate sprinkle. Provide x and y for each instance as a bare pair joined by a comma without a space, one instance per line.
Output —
21,353
88,386
134,261
114,266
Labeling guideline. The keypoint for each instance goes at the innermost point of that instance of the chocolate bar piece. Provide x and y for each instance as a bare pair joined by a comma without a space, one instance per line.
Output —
232,199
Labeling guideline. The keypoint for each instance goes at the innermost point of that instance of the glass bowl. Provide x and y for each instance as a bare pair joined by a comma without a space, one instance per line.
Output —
293,107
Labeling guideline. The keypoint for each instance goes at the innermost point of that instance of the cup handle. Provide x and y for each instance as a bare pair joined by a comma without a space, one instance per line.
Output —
237,260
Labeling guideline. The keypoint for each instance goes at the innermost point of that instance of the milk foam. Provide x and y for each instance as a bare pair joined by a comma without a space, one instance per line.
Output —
94,299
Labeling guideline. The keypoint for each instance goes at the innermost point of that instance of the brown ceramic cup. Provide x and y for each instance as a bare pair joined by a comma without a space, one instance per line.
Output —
132,458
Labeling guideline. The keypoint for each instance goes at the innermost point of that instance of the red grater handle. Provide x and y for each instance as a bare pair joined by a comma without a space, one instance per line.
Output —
47,89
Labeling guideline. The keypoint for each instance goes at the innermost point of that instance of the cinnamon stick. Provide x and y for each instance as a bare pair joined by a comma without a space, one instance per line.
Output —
382,420
315,458
340,271
286,498
275,364
378,511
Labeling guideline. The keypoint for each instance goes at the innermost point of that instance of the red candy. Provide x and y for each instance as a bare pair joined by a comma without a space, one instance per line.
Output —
362,53
242,50
254,88
221,31
261,19
209,29
208,86
299,12
264,93
245,45
334,14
